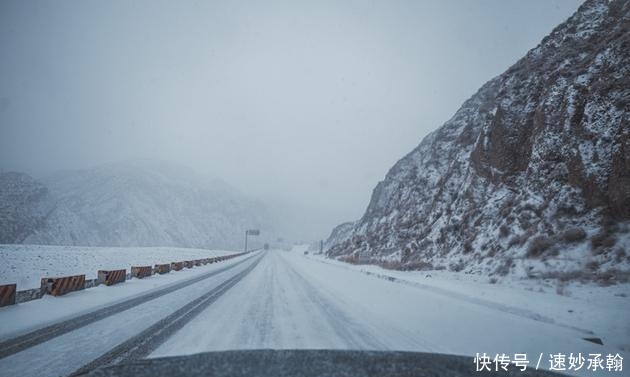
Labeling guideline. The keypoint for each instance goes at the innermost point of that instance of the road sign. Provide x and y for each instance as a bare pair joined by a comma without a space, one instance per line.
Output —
251,232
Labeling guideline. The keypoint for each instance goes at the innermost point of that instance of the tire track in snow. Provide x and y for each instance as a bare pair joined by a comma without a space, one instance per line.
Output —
151,338
33,338
401,339
356,336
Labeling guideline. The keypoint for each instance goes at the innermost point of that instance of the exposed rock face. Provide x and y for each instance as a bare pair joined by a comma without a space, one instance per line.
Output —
338,234
539,151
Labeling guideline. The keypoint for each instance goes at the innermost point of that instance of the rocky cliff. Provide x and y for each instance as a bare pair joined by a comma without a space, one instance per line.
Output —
531,175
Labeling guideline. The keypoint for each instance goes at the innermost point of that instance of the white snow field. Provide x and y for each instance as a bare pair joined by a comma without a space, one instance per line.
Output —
25,265
286,300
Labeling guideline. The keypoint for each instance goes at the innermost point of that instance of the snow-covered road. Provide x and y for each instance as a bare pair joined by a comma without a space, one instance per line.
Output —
283,300
71,350
290,301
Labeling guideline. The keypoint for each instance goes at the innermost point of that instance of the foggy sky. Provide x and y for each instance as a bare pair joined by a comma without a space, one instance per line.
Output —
304,105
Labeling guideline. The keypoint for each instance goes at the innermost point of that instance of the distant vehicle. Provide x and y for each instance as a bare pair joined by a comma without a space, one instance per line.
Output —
266,246
305,252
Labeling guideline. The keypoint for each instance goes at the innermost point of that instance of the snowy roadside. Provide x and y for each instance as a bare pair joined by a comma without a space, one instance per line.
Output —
27,264
34,314
596,311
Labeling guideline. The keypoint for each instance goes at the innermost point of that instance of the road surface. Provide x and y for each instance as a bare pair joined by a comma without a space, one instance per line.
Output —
283,300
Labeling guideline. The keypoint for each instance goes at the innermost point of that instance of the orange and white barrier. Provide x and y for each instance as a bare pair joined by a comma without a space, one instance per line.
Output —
140,272
111,277
59,286
7,294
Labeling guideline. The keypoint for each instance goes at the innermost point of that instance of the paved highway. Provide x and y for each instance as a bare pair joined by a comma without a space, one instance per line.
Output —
282,300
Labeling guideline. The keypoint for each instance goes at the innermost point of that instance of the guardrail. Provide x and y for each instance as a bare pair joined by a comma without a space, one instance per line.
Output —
59,286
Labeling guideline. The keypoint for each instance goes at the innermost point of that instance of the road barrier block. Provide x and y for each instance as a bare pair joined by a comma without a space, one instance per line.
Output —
188,264
62,285
176,266
111,277
140,271
162,268
7,294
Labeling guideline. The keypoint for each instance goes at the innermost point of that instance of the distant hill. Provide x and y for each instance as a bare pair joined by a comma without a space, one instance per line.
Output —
139,203
24,206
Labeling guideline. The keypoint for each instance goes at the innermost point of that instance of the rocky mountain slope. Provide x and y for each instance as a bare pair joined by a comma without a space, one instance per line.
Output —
130,204
24,205
531,175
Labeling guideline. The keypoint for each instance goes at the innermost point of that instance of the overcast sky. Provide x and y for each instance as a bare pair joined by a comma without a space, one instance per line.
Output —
304,105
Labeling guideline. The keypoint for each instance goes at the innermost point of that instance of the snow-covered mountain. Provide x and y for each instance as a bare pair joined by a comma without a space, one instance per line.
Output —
530,176
24,205
139,203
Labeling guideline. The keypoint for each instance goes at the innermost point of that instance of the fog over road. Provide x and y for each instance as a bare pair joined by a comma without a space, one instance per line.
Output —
286,300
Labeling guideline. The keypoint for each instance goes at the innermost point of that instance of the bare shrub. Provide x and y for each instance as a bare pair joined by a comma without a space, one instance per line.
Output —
456,266
561,288
523,220
592,265
574,275
574,235
506,207
390,265
528,207
606,278
603,239
351,258
504,231
504,268
417,266
468,246
518,239
538,246
620,254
